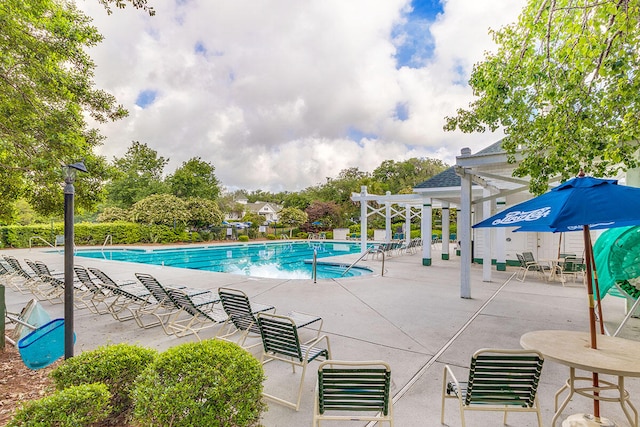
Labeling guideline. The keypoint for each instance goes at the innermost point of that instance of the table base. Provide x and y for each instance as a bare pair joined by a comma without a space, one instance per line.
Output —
596,393
586,420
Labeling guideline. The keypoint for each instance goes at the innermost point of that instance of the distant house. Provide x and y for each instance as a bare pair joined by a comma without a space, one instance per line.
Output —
268,210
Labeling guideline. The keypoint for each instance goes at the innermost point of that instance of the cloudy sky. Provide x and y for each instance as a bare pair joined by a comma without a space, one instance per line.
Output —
280,94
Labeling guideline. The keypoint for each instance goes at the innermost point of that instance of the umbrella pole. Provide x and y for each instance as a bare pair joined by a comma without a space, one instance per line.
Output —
592,314
559,246
596,287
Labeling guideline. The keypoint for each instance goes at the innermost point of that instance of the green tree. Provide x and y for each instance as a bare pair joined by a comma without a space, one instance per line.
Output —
254,218
46,94
202,213
262,196
564,85
136,175
401,177
296,200
162,209
113,214
195,178
292,217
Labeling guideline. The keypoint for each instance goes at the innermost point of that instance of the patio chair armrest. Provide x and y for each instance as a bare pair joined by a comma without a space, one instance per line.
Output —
311,344
449,373
303,319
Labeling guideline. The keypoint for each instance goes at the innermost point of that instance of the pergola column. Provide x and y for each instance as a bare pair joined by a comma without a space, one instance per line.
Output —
387,219
426,227
407,224
501,253
486,237
446,236
464,230
364,207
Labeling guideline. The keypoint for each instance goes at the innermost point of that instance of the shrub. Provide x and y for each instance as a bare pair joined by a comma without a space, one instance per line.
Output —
76,406
162,209
113,214
210,383
158,234
243,238
271,236
115,365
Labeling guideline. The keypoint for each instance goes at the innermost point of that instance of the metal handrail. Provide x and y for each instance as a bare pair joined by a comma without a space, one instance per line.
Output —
108,238
314,268
38,237
367,252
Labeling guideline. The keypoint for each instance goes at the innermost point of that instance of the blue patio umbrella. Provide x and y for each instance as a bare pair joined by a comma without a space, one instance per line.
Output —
582,203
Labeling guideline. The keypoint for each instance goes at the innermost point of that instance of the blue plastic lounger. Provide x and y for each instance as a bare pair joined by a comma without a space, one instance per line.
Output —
44,345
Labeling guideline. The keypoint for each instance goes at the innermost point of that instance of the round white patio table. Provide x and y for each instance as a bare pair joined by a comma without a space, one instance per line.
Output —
614,356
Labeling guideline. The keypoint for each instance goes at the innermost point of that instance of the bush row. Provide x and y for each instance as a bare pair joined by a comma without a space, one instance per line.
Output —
16,236
120,232
212,382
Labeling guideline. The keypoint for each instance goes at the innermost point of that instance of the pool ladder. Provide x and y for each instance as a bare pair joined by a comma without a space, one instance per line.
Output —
367,252
108,239
314,267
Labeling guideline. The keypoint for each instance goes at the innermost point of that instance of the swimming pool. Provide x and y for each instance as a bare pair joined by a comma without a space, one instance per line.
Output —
284,260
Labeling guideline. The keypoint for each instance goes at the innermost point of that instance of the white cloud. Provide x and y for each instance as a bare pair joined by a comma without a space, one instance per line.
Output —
270,92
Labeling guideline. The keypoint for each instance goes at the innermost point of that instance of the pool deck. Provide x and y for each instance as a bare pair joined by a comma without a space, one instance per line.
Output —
411,317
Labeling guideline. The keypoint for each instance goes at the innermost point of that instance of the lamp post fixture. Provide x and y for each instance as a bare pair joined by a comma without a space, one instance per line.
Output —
69,192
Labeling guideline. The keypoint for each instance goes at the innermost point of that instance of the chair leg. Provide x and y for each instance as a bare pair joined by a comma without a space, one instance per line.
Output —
462,415
444,391
316,409
304,370
295,405
535,402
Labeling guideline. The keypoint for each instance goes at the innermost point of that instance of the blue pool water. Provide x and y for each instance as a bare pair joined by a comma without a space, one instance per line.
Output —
285,260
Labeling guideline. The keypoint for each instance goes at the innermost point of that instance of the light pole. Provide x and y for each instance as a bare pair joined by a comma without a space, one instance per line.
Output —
69,177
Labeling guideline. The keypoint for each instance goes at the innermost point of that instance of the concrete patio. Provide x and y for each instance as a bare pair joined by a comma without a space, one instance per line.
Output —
412,317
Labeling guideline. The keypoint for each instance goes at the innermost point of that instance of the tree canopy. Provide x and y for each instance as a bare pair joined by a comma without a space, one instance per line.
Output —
195,178
401,177
46,92
564,85
293,217
136,175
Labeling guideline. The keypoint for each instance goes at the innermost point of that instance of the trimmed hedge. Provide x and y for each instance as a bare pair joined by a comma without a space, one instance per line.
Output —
115,365
76,406
210,383
93,234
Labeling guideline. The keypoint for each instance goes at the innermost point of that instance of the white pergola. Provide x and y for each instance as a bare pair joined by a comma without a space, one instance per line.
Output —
485,182
409,206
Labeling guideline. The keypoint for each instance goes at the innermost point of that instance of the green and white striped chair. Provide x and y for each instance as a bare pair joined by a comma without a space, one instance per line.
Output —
353,390
499,380
281,342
